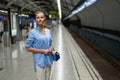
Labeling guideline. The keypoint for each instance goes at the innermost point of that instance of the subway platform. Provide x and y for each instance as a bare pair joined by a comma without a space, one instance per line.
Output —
73,64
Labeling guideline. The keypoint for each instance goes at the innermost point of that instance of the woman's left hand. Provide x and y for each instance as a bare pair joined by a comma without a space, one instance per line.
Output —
51,49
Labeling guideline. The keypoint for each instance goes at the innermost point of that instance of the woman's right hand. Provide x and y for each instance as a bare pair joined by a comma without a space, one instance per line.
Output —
45,51
48,51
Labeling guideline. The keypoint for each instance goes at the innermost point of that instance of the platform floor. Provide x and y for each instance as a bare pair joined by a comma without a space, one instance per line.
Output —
17,64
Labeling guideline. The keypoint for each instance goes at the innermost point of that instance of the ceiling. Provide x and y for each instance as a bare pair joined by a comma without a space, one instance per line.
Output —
34,5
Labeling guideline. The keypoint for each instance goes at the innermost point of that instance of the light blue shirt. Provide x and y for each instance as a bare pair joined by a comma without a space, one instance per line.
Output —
40,41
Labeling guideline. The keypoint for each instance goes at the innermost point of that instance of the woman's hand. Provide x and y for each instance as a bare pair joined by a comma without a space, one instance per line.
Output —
45,51
48,51
51,49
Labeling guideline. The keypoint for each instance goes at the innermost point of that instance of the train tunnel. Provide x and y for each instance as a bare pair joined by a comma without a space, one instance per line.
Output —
85,32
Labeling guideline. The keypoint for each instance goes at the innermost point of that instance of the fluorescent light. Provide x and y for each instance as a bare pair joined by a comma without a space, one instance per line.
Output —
59,9
81,7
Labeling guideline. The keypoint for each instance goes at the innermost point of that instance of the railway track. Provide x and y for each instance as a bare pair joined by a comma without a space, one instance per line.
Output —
106,64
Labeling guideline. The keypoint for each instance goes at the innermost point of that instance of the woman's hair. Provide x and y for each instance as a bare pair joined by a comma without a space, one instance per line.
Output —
37,12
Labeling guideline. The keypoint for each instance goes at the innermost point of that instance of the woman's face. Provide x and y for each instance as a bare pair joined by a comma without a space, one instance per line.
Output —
40,18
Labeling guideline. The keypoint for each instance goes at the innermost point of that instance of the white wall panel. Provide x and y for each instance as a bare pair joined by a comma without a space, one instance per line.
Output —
91,17
104,14
111,11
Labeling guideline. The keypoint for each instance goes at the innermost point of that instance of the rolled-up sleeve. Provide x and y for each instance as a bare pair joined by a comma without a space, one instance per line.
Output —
51,38
30,40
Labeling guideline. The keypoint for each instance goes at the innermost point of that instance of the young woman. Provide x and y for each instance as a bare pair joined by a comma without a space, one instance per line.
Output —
39,43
